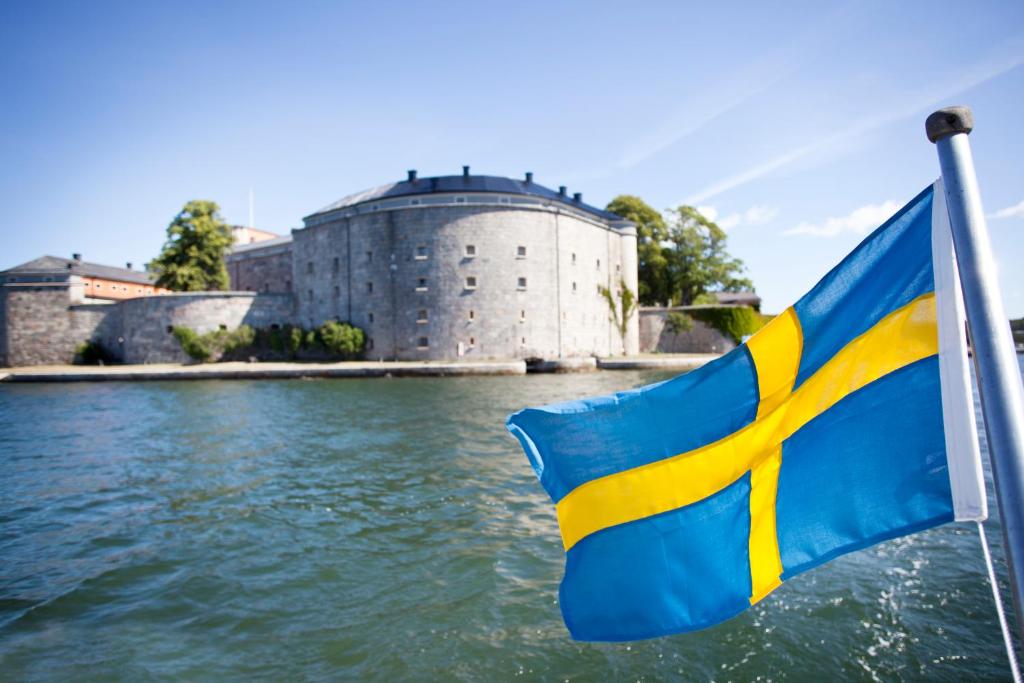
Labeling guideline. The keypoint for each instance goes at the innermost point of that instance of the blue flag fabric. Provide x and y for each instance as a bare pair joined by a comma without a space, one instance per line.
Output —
847,420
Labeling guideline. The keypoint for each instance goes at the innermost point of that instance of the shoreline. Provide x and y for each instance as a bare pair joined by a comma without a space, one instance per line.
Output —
346,369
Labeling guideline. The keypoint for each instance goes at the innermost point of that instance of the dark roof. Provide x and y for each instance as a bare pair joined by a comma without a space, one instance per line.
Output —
56,264
748,298
464,183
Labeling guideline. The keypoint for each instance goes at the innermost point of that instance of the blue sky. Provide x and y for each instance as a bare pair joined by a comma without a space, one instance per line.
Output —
799,126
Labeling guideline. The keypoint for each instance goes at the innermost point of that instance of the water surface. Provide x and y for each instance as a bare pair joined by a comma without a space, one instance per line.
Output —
386,529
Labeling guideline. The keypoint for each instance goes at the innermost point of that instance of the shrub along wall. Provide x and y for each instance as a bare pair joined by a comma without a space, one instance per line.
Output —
331,341
697,329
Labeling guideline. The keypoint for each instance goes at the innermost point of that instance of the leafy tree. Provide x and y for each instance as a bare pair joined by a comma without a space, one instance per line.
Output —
652,233
192,259
697,260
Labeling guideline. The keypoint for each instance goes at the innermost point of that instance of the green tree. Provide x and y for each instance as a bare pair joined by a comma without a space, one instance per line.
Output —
192,259
655,285
697,260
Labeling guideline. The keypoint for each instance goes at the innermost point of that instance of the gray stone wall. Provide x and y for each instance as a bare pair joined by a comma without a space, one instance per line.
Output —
37,324
402,275
146,321
40,325
261,270
98,322
655,337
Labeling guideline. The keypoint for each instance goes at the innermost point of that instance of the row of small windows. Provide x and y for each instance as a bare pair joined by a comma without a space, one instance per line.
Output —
423,316
422,254
421,285
423,343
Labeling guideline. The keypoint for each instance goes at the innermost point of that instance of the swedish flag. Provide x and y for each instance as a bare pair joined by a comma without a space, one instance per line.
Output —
846,421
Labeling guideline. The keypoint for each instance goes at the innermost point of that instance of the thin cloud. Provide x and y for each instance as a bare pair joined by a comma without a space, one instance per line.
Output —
1015,211
860,221
755,215
911,106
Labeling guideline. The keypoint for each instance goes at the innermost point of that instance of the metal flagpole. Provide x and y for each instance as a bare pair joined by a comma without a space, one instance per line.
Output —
995,361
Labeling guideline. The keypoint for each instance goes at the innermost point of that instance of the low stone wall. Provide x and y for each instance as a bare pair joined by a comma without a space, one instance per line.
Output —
39,324
655,337
147,321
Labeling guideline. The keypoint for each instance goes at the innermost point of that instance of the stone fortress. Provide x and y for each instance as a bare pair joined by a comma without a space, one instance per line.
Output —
462,266
452,267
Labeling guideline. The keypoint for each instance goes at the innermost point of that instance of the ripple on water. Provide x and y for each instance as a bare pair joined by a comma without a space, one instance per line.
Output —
384,529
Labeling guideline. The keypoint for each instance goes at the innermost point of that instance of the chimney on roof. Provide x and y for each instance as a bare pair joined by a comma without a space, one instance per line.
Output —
561,190
529,177
128,265
77,257
412,175
465,171
577,197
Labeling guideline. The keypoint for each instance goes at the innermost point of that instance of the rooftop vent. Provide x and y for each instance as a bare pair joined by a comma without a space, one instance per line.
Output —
529,177
412,175
561,190
465,171
128,265
577,197
77,257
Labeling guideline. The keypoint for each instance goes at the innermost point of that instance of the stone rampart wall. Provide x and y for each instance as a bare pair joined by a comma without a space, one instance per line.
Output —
147,321
40,326
656,337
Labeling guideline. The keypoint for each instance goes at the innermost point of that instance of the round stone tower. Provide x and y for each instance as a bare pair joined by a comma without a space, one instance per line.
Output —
468,266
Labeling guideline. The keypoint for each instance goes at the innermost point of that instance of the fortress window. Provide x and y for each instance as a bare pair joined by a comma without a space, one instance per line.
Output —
471,282
275,326
266,286
574,286
421,253
288,285
369,256
414,202
421,284
422,343
223,327
369,344
460,200
369,316
472,341
309,266
369,288
170,329
472,315
574,258
337,291
617,267
520,252
522,283
523,341
599,264
421,315
522,316
337,264
470,250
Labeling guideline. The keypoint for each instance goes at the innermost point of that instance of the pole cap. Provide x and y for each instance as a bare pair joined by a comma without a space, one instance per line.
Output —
949,121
